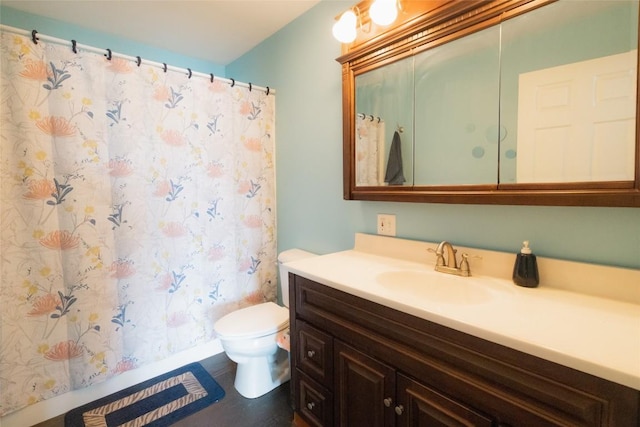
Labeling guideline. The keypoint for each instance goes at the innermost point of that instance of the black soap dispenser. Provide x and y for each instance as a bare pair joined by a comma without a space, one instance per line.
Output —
525,270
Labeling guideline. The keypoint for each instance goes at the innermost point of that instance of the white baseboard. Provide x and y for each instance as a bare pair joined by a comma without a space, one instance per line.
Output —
58,405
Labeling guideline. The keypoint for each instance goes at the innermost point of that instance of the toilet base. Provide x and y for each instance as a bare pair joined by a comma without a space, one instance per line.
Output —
260,375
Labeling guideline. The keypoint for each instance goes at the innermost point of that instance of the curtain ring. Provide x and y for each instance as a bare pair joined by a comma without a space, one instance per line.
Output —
249,86
74,46
190,73
211,77
108,55
138,60
267,90
164,67
34,39
233,82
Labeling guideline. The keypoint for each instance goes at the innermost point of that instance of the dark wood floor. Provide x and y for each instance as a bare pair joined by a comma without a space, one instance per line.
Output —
271,410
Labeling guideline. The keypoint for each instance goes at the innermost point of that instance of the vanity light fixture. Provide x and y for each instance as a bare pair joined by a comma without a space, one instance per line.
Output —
383,12
345,29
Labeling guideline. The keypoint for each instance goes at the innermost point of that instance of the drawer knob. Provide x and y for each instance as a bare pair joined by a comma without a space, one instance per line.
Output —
311,353
387,402
311,405
399,409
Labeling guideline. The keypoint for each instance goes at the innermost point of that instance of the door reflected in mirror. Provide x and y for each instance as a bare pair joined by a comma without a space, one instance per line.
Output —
568,95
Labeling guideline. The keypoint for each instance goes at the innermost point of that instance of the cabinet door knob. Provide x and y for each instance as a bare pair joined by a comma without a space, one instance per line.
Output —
311,353
311,405
387,402
399,409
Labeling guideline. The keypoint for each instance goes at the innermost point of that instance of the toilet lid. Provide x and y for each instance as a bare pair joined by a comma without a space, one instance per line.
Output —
254,321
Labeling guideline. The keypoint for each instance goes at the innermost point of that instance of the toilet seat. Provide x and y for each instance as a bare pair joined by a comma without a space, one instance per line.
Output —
253,322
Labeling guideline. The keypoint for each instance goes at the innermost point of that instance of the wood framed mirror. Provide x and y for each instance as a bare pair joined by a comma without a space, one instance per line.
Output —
524,102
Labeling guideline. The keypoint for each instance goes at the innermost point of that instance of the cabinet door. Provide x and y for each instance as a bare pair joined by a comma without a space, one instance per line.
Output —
422,406
314,354
364,389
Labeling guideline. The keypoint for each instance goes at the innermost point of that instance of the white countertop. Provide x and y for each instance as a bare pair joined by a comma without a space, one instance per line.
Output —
596,335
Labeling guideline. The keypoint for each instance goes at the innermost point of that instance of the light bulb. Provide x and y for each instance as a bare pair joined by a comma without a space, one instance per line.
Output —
345,29
383,12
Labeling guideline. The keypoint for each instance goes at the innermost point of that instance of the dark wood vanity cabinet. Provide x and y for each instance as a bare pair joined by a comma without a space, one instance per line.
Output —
358,363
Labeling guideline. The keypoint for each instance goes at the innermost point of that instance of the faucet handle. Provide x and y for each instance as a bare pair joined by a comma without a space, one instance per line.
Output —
439,255
464,263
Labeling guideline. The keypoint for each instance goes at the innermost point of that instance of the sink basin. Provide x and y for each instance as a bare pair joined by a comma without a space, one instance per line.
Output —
436,287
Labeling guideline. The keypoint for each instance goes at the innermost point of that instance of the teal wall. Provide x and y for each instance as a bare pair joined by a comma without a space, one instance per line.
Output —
62,30
299,61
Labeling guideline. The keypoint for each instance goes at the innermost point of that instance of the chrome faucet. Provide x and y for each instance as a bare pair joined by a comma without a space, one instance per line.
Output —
450,263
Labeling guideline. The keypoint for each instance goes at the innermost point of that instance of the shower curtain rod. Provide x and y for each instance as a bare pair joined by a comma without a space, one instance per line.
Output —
36,36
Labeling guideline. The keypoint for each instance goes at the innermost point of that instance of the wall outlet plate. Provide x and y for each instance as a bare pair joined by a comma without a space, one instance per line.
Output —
386,224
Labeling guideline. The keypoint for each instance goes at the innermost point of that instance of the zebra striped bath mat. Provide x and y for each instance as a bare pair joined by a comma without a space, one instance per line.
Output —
160,401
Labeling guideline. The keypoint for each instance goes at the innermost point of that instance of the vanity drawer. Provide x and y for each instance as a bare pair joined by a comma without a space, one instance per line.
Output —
314,355
314,402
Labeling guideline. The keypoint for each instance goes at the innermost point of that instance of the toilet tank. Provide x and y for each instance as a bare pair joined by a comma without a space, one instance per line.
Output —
285,257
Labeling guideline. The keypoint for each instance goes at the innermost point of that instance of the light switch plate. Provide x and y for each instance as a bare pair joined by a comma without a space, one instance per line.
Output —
386,224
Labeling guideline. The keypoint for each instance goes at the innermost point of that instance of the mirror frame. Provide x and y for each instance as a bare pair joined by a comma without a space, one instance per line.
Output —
426,24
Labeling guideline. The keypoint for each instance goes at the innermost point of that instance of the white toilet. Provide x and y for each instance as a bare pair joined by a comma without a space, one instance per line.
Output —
248,336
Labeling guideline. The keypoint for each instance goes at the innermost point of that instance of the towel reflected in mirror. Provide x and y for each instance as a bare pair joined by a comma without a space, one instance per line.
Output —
394,174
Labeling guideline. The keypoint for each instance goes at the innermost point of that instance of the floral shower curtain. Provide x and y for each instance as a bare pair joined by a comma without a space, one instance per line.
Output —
137,207
370,133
